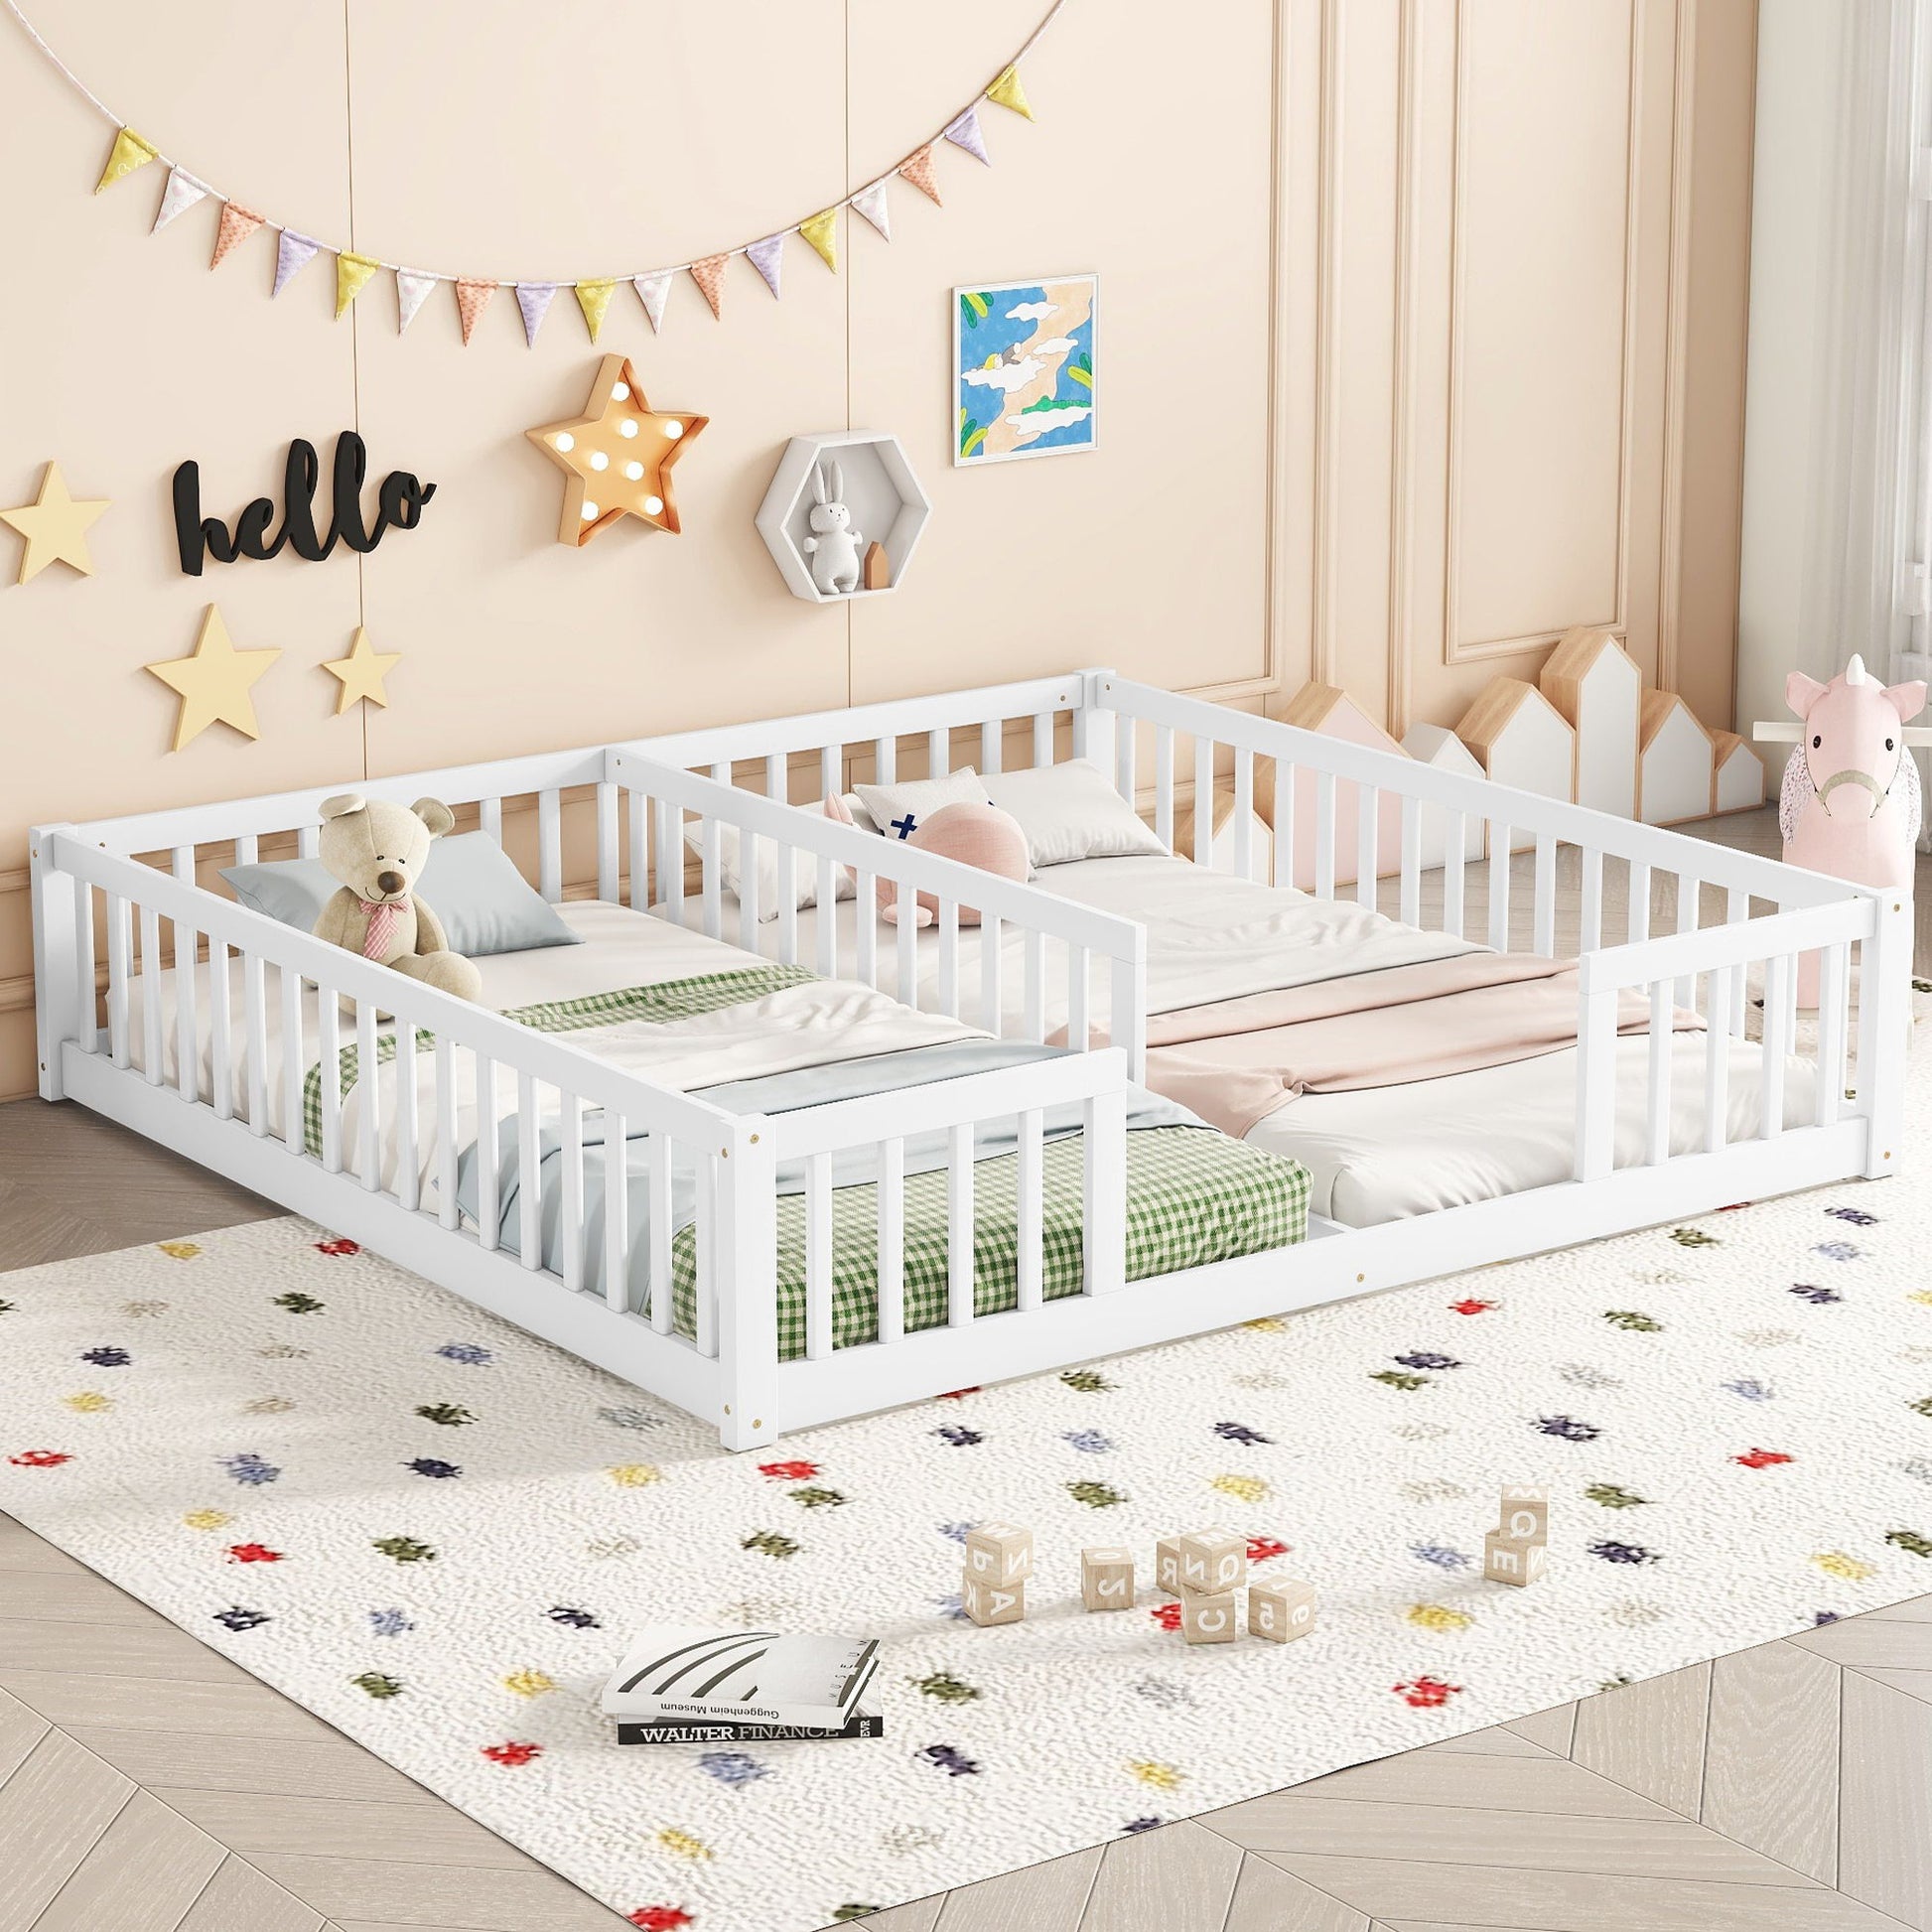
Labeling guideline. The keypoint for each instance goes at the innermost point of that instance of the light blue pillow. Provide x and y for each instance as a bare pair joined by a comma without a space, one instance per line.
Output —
485,905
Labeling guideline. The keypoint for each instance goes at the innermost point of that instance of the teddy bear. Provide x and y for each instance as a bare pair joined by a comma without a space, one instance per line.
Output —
378,851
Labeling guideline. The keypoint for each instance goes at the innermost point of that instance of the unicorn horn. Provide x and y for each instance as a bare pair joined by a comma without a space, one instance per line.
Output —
1854,671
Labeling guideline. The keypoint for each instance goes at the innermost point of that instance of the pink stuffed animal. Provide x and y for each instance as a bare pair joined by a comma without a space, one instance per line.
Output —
1849,806
974,834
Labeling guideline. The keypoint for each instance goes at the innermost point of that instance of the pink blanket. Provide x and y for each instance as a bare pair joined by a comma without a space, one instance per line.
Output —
1237,1061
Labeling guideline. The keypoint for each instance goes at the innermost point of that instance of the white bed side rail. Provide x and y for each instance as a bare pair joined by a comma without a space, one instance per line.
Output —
1055,934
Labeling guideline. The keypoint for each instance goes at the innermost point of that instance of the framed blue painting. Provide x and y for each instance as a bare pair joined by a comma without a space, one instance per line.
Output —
1024,369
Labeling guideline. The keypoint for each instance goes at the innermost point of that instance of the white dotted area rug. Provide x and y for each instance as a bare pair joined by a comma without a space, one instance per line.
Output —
436,1533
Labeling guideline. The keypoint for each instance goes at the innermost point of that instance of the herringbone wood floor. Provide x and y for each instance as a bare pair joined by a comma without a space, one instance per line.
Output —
149,1785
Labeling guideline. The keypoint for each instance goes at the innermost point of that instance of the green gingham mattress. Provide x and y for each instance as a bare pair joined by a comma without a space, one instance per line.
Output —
1193,1196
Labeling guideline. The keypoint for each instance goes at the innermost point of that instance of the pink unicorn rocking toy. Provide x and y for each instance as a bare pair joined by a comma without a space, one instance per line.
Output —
1850,804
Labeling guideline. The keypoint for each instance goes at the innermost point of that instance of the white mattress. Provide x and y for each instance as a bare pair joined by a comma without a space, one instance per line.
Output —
1377,1154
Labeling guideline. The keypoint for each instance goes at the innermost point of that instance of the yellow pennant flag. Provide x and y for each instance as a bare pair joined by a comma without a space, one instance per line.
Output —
594,298
1007,91
353,273
822,231
128,153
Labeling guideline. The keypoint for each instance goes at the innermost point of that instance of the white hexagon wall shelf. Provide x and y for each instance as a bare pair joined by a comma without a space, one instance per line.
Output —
887,505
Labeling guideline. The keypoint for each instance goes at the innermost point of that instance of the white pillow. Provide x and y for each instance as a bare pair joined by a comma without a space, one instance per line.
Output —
917,799
1071,811
804,871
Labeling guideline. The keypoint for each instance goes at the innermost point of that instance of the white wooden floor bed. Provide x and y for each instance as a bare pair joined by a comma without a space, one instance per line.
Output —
121,902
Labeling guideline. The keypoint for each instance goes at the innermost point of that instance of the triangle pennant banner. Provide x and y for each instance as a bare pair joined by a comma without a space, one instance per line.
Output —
353,274
472,299
237,225
292,253
412,288
652,291
767,257
822,231
534,299
1006,91
709,275
917,169
181,193
128,153
965,133
871,202
594,298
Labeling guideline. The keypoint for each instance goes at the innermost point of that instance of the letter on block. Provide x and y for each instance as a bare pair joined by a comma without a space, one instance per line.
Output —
1166,1565
988,1604
998,1553
1211,1563
1107,1579
1210,1617
1525,1513
1281,1611
1506,1561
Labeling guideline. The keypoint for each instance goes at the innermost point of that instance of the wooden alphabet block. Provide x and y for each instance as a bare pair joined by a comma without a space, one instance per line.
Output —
1210,1616
989,1604
1211,1563
1000,1553
1107,1579
1525,1514
1508,1562
1166,1565
1281,1609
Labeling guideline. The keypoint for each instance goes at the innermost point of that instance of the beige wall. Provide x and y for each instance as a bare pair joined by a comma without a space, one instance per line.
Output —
1421,339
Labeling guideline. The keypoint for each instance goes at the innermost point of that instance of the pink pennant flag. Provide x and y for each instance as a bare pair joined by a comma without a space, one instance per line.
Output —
965,133
472,299
766,257
709,275
292,253
412,288
181,193
917,169
871,202
237,225
652,291
534,299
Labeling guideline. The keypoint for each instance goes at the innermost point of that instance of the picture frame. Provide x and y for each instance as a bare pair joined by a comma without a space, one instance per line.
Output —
1023,370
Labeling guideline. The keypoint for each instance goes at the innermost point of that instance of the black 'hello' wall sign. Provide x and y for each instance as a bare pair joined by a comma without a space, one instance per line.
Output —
400,506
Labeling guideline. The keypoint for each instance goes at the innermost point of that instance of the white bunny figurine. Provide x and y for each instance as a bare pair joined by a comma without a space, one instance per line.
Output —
833,545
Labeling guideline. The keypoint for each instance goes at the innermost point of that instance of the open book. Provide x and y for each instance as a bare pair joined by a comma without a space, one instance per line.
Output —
740,1677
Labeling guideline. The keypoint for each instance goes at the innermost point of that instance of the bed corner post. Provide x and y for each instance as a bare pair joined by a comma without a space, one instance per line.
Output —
56,1007
747,1283
1884,1020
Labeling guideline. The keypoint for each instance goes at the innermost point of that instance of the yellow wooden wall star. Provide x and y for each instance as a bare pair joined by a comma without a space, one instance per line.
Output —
55,525
362,672
618,456
215,682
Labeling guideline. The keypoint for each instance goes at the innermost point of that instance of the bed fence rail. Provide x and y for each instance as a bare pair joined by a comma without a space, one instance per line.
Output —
215,1027
1070,955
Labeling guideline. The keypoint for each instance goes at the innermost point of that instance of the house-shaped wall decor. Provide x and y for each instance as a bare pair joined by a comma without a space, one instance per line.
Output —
1334,714
1596,685
1677,762
1222,851
1437,745
1739,785
1522,739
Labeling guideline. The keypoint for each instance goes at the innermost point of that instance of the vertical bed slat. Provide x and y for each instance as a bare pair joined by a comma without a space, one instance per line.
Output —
865,928
670,860
1032,1211
606,841
1325,834
1595,1150
1125,746
247,849
830,762
1717,1064
408,1158
368,1089
1545,910
1657,1119
959,1225
1042,737
949,958
639,817
1163,785
657,1183
938,752
1636,927
990,976
892,1239
295,1059
1688,894
1078,1025
151,995
86,1001
1244,813
710,837
705,1327
1456,839
328,1054
120,936
447,1213
1284,856
1036,984
570,1219
991,734
1499,844
1834,979
1368,850
529,1174
1738,908
751,854
307,840
550,846
489,1155
1204,853
1778,974
1409,908
777,788
489,816
1590,932
617,1206
188,1043
884,760
254,1028
906,984
818,1257
220,1051
1104,1220
827,914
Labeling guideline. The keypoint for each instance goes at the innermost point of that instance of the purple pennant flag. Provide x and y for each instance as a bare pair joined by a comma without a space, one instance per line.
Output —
292,253
965,133
766,257
534,299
